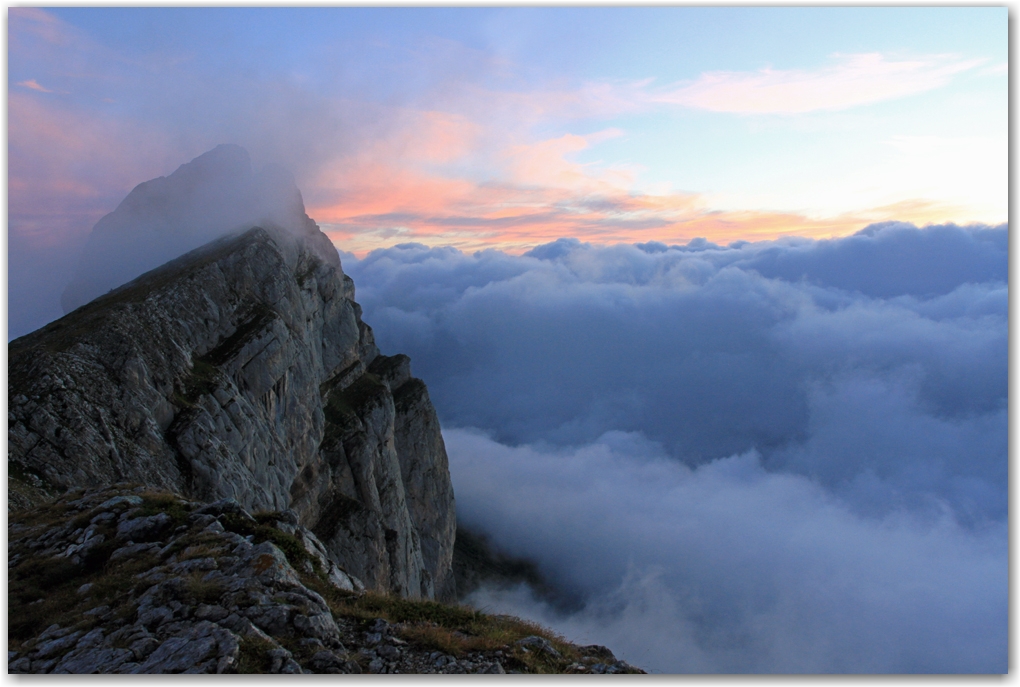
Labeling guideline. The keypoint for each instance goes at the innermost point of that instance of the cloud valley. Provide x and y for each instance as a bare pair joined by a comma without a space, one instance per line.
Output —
779,456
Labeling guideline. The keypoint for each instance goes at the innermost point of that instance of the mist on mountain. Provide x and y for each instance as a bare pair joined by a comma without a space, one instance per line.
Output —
217,193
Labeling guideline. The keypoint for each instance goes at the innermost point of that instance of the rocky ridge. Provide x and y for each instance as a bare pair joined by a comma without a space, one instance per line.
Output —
243,370
131,580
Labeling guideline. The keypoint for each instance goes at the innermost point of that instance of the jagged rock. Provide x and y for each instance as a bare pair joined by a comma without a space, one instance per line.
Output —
599,652
328,662
93,660
541,644
239,374
143,529
192,651
55,646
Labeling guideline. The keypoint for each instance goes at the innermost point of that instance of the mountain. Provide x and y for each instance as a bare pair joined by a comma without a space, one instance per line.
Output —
212,468
240,369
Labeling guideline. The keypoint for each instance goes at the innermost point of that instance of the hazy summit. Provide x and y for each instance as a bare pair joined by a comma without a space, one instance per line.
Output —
215,194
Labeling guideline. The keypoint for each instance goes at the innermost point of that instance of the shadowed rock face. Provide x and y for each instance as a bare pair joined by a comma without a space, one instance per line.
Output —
243,370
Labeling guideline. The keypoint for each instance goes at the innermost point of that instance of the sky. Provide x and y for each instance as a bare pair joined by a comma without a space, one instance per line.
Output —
510,127
711,301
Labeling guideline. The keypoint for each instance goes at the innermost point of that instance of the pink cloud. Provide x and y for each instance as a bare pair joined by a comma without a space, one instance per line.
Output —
33,85
37,23
464,167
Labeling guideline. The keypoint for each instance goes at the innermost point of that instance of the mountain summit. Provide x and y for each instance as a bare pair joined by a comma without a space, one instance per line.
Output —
215,194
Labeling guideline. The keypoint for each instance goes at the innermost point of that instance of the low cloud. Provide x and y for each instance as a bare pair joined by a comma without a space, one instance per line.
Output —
698,349
775,456
732,568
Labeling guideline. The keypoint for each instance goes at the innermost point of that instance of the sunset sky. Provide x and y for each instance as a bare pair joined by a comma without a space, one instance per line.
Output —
511,127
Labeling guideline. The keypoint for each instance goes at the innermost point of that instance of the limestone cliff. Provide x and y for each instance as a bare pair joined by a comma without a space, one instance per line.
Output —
242,370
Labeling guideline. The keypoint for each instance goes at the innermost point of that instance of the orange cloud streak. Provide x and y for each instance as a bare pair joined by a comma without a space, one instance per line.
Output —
382,196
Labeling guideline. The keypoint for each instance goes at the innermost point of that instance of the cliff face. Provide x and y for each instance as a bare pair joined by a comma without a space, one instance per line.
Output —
243,370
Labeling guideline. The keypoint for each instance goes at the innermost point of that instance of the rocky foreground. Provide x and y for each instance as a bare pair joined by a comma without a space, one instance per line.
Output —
132,580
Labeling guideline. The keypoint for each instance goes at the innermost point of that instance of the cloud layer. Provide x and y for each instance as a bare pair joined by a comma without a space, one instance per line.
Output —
776,438
731,568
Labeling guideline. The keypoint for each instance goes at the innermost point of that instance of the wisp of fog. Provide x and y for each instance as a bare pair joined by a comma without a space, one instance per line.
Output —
785,456
216,193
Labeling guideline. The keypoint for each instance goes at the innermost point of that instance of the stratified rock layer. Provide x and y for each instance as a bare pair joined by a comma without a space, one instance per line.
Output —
243,370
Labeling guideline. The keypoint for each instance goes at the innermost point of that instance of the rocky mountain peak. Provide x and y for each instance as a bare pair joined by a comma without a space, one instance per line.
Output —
215,194
240,369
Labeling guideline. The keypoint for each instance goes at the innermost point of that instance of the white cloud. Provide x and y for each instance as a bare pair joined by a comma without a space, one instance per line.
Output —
853,80
778,456
729,567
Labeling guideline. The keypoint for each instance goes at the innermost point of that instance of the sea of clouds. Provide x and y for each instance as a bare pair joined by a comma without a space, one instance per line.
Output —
783,456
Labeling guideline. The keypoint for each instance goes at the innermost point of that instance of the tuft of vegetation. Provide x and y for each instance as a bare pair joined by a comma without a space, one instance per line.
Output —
451,628
203,380
27,487
258,319
262,531
254,655
154,503
268,517
409,393
306,273
203,591
339,509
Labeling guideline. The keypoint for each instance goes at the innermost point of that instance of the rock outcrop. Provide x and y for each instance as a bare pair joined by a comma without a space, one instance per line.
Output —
240,370
130,580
